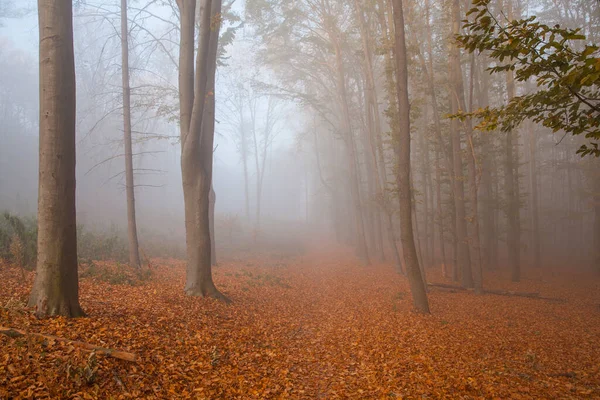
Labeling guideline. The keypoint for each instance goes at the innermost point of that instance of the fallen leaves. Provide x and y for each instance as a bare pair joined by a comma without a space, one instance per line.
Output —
322,328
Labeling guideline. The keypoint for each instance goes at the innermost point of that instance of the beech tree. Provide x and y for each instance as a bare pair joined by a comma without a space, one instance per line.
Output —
402,149
197,123
56,288
134,252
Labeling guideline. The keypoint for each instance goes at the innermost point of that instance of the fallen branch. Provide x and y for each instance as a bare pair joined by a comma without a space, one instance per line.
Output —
122,355
509,293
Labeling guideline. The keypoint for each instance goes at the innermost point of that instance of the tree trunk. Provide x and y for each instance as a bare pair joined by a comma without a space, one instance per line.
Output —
535,220
212,199
463,256
488,204
596,226
56,288
513,235
439,212
134,253
473,184
244,147
197,134
402,150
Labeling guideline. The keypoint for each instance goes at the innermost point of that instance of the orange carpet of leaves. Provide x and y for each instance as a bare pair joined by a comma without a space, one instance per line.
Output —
317,328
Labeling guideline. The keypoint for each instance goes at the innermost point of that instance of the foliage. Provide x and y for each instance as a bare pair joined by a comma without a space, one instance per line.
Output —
565,70
95,245
114,273
18,240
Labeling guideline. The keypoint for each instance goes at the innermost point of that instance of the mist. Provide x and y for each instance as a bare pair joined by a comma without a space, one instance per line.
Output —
296,154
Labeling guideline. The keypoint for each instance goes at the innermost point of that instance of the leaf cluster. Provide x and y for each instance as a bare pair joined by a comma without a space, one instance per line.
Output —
565,70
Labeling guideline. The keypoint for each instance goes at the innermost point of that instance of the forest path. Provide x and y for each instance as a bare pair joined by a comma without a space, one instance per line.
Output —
318,326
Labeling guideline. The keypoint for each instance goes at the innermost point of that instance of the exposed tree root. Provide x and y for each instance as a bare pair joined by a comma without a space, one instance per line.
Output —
509,293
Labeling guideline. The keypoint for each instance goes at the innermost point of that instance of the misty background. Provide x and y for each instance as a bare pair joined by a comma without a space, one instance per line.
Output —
294,154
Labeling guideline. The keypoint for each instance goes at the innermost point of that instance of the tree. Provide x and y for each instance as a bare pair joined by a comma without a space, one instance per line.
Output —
197,123
402,150
56,287
134,253
463,256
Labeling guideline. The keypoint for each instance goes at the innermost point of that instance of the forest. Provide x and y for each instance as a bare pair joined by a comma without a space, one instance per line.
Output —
299,199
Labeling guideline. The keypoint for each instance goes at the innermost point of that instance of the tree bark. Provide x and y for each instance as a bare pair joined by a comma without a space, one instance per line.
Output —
402,150
463,256
212,199
134,253
56,288
535,219
473,184
513,238
197,135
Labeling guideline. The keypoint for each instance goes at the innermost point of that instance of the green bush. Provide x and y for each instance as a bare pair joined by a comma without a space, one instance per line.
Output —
94,245
18,239
114,274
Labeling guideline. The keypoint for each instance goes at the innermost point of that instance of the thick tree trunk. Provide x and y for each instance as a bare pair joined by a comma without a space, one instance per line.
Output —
197,115
134,253
402,150
56,289
464,258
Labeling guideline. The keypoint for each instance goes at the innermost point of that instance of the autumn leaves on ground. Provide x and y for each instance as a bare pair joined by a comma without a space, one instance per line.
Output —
313,327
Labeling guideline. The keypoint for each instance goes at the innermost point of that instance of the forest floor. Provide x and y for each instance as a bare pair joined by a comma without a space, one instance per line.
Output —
313,327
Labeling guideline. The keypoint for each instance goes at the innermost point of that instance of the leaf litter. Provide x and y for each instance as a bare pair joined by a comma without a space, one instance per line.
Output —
316,327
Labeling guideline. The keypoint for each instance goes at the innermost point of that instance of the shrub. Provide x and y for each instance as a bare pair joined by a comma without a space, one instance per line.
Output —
18,240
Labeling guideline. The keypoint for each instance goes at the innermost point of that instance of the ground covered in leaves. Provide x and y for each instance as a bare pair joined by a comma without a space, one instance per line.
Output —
317,327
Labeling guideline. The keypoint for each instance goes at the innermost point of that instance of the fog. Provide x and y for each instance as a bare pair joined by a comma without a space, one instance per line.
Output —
299,199
272,85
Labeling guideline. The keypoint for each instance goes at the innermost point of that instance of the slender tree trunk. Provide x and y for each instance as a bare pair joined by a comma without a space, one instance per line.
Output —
463,259
134,253
244,147
402,150
535,220
487,200
513,234
426,260
440,213
258,182
513,238
56,288
212,199
473,185
196,95
596,226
